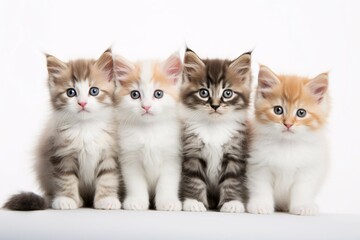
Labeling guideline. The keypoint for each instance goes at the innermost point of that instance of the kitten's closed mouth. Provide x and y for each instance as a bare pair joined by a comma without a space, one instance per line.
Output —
147,114
288,131
83,110
215,113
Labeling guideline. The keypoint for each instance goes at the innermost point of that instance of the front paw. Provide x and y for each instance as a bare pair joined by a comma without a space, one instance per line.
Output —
192,205
108,203
260,207
64,203
135,203
233,207
168,205
310,209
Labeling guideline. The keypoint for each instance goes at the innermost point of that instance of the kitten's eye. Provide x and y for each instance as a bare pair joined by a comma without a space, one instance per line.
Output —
134,94
227,93
204,93
301,113
71,92
94,91
158,94
278,110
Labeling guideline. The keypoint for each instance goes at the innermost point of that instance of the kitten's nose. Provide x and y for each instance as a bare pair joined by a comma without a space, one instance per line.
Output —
82,104
288,125
215,106
146,108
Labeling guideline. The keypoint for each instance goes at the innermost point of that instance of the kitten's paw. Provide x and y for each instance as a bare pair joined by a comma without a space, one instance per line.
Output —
305,209
168,205
233,207
64,203
133,203
192,205
108,203
260,208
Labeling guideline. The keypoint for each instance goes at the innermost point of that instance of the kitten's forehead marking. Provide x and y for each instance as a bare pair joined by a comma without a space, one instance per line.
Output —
82,89
146,83
146,72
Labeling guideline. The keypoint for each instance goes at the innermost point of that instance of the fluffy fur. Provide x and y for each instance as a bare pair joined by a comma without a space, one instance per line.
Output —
289,152
77,155
215,133
149,132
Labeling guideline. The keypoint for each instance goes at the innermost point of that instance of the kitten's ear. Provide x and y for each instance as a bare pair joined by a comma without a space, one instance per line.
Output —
318,86
241,65
106,64
240,69
173,67
55,67
122,69
192,63
267,80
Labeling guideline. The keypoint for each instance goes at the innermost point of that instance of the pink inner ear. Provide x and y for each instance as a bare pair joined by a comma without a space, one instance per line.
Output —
108,70
173,68
122,69
265,84
320,90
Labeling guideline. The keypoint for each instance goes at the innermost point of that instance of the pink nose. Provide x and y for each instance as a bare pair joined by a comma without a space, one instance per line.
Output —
287,125
146,108
82,104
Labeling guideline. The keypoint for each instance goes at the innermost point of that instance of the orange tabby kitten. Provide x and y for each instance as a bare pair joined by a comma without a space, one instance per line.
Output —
289,156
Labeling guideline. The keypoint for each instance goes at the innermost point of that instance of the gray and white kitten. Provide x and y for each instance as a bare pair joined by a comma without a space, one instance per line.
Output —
76,162
215,97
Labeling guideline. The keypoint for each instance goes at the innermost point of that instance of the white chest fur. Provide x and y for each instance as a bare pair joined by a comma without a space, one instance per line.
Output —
89,141
214,135
151,145
289,161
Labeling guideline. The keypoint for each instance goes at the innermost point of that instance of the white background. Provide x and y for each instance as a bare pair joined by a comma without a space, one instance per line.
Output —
297,37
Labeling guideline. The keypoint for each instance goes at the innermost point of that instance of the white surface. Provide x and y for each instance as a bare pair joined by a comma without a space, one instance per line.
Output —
304,37
98,224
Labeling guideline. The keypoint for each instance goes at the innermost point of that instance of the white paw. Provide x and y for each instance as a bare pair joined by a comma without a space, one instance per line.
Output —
108,203
168,205
260,208
133,203
64,203
233,207
305,209
192,205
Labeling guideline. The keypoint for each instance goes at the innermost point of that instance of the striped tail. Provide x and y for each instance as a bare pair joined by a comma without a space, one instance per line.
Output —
26,201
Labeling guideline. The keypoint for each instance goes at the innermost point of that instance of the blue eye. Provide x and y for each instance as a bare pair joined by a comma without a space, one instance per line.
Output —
71,92
301,113
134,94
204,93
227,93
158,94
278,110
94,91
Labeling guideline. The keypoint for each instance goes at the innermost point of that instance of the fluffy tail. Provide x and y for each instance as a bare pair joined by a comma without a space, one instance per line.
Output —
26,201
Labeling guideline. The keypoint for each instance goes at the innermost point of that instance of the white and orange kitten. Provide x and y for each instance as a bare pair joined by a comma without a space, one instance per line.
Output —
149,132
289,157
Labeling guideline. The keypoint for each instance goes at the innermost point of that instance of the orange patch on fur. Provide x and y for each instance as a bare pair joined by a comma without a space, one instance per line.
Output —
131,78
165,83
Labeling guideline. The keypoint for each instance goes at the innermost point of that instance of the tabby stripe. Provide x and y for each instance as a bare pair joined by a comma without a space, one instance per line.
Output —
190,173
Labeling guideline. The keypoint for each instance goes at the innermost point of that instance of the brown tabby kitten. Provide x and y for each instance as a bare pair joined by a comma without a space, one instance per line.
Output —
215,97
77,155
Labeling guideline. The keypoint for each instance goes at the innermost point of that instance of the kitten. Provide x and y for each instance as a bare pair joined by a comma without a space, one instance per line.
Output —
149,132
215,97
289,156
77,155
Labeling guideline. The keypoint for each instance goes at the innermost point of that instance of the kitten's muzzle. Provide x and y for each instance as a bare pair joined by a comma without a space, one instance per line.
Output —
214,106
